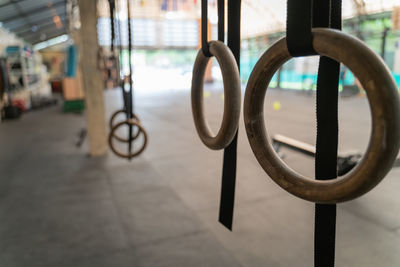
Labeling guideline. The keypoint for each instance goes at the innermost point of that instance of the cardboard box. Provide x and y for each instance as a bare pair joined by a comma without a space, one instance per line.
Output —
72,88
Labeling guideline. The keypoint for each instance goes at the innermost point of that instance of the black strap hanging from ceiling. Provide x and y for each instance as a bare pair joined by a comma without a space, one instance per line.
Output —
327,136
126,96
204,28
112,8
221,20
120,48
204,25
113,20
298,28
129,108
302,16
230,152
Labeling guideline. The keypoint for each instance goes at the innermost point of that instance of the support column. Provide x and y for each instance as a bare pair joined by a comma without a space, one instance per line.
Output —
92,79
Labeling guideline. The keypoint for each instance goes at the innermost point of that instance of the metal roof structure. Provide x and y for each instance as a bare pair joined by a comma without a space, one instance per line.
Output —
258,16
34,20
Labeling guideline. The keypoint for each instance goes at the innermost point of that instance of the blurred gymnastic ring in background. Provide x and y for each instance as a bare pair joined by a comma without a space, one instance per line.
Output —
232,96
112,123
385,111
141,130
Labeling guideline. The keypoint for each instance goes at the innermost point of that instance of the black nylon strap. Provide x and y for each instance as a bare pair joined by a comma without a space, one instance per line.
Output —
230,153
221,20
298,27
129,109
204,28
326,14
321,13
122,81
112,8
118,20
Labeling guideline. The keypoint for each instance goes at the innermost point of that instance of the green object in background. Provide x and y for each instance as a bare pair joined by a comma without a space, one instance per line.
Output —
76,106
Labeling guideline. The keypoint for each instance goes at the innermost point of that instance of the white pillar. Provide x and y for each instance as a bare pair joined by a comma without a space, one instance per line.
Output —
92,79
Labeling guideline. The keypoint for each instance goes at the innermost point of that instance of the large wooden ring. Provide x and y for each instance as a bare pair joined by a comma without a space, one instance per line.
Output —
385,112
232,96
112,136
112,123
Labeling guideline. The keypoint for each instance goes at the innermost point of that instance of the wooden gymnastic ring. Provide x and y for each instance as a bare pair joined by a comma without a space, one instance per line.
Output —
232,99
112,123
112,136
385,112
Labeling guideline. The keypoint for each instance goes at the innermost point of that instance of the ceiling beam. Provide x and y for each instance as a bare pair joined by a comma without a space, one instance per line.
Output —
36,41
34,11
10,2
22,13
38,23
41,29
38,34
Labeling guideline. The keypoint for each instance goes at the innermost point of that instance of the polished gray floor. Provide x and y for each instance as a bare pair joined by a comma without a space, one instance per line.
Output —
59,207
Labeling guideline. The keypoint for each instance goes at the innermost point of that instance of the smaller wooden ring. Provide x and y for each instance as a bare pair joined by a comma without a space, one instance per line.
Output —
112,123
232,96
141,130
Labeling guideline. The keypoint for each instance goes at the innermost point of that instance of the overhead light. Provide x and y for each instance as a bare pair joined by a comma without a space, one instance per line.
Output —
51,42
57,21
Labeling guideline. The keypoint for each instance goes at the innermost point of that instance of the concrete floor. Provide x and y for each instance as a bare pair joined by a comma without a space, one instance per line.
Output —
59,207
